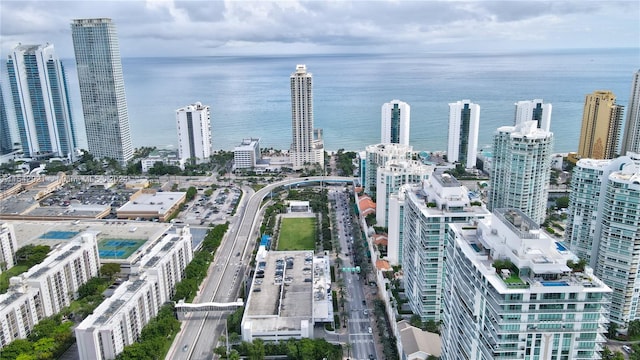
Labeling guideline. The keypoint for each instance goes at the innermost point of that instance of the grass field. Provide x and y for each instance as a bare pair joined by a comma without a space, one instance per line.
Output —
297,234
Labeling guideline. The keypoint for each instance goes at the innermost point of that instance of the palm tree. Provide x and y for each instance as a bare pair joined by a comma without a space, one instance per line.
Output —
348,346
344,316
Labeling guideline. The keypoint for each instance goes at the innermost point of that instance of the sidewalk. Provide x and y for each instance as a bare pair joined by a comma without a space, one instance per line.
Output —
369,296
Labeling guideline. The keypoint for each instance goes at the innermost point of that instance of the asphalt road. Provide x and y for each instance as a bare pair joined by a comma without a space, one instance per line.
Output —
356,307
200,331
224,279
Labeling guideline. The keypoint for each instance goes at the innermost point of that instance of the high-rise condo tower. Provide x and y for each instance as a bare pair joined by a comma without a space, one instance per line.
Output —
535,110
511,295
102,88
425,213
600,129
194,132
396,121
6,141
41,102
462,145
521,169
631,140
307,147
603,227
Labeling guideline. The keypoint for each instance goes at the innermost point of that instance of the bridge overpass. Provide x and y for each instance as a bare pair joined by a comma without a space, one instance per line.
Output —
183,308
226,273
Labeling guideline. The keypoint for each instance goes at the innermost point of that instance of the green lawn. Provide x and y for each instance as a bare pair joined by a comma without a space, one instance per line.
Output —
297,234
514,281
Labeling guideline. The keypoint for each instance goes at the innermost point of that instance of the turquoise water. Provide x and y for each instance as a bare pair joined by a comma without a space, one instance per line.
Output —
560,246
249,96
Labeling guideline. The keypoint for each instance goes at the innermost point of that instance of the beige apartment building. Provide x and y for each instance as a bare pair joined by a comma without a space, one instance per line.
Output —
601,121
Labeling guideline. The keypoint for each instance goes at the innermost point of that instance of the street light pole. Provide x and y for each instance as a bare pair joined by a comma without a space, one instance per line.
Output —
226,333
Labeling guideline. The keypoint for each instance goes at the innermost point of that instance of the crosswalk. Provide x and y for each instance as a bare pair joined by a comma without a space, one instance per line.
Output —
360,341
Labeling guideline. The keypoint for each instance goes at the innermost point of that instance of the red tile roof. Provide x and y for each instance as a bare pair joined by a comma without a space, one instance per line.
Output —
383,265
366,205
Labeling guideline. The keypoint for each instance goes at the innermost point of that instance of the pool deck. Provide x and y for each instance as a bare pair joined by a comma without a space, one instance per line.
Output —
30,232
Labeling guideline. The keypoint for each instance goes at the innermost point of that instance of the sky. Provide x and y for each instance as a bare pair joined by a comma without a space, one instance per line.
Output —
237,27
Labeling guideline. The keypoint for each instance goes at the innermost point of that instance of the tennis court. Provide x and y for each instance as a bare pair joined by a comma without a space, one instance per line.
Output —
58,235
118,248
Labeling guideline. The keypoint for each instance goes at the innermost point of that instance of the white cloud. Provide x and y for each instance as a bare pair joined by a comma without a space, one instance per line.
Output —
166,27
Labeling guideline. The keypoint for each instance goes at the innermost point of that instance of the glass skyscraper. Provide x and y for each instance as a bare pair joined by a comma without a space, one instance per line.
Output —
6,144
40,99
102,88
631,140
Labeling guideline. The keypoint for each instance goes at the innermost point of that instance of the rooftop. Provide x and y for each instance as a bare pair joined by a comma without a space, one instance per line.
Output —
366,205
437,201
629,173
32,232
164,246
281,291
526,129
446,180
159,202
247,144
389,148
109,309
415,340
540,263
60,254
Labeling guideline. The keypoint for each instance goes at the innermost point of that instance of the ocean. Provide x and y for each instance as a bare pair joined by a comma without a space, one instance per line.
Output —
249,95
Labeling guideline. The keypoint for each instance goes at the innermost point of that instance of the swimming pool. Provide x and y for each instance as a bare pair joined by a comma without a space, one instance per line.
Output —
560,246
554,283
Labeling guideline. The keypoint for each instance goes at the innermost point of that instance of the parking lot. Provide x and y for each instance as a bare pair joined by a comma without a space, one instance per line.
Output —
213,209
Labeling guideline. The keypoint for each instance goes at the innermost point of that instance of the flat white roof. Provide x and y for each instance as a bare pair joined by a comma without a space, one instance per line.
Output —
283,300
159,202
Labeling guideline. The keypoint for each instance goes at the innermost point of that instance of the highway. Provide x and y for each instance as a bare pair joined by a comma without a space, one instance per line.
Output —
200,331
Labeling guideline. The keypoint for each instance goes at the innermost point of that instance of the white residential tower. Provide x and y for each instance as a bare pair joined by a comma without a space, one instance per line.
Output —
462,144
536,110
194,132
396,122
521,169
511,295
427,211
